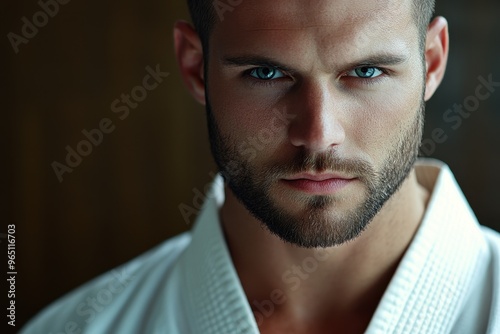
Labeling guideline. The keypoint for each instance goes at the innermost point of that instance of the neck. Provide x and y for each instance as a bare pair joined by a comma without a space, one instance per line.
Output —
311,285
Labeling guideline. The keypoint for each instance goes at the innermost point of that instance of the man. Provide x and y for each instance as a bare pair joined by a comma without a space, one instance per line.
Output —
326,221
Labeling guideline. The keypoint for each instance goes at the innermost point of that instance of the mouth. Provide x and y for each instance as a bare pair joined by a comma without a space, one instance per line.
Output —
318,184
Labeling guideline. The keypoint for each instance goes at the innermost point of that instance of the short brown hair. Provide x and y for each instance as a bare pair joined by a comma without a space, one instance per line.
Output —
203,16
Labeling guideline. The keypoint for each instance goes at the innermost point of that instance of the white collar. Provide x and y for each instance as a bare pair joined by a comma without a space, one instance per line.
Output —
216,302
427,291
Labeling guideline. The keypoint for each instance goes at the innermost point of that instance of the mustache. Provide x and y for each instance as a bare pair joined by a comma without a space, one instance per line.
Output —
304,162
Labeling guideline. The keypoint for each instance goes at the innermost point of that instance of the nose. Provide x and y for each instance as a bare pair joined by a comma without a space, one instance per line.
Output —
317,126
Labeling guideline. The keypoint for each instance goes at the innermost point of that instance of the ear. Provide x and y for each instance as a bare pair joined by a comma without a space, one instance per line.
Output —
189,54
436,54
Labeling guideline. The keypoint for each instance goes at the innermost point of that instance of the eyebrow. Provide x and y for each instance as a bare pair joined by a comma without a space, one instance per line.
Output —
375,60
380,60
256,61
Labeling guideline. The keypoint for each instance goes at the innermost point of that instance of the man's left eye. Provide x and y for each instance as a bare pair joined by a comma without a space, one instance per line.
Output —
366,72
266,73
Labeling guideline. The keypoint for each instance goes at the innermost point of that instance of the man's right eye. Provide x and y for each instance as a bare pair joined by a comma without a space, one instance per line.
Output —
266,73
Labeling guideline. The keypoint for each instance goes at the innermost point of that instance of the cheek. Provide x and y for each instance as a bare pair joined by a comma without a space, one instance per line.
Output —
246,116
390,111
380,120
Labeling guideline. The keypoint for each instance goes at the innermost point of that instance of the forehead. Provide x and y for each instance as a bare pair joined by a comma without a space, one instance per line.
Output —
344,28
310,12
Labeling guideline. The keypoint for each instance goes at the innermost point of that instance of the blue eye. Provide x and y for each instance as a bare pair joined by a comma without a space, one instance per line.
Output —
266,73
366,72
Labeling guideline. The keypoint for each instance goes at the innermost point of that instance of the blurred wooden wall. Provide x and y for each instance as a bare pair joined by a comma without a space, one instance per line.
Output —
123,198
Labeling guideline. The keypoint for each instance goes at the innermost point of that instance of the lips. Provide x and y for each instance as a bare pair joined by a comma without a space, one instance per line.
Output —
318,184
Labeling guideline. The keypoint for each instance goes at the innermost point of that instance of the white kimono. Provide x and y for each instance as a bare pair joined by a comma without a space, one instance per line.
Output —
447,282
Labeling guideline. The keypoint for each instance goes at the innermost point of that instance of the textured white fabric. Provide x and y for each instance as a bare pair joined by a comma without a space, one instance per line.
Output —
447,282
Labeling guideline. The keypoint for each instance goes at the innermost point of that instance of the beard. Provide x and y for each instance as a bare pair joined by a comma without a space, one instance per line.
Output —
321,222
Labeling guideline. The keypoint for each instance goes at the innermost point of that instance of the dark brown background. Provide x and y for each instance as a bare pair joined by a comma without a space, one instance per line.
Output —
123,198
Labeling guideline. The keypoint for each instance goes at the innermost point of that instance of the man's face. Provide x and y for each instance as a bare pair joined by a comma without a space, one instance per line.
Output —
315,111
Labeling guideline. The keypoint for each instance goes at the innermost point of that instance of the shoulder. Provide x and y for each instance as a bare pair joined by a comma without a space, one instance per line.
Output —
98,304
